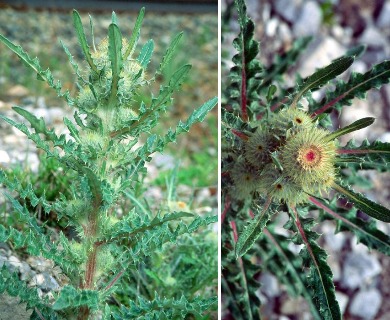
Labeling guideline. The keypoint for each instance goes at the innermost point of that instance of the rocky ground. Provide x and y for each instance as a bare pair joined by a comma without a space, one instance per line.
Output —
362,277
38,33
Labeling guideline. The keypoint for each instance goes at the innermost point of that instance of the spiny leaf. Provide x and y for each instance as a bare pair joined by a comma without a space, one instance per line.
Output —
243,89
73,64
134,35
374,155
146,54
115,55
278,259
239,282
170,52
44,75
164,309
132,228
366,232
320,275
72,297
72,129
322,76
252,231
357,86
175,82
369,207
83,40
357,125
10,283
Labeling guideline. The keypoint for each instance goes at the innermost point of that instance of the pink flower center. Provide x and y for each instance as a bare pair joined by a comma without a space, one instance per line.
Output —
310,156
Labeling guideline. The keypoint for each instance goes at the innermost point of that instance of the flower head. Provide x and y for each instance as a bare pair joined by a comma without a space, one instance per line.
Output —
308,159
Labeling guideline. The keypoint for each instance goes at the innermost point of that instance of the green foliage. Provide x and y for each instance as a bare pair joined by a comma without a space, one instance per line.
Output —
274,161
104,166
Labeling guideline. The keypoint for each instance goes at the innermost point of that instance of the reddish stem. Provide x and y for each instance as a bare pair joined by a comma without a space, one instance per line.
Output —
234,227
115,280
303,235
331,212
241,135
243,91
225,210
328,105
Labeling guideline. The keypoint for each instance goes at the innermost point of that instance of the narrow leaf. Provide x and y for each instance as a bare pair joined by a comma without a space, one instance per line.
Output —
134,35
252,231
357,125
170,52
323,75
83,40
365,231
146,54
369,207
374,155
72,129
320,274
115,55
356,87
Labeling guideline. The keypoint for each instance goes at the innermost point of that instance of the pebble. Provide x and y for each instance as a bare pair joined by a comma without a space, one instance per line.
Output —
373,38
366,304
269,285
45,282
359,269
383,19
309,19
13,263
288,9
4,157
17,91
334,241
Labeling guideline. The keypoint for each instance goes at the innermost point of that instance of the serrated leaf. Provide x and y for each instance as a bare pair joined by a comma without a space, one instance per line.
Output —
365,231
73,64
44,75
174,83
322,76
357,86
245,82
134,35
146,54
252,231
83,40
72,129
72,297
374,155
369,207
320,275
170,52
357,125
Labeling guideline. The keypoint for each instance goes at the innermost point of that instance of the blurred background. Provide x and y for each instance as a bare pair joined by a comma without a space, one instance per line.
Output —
38,26
362,278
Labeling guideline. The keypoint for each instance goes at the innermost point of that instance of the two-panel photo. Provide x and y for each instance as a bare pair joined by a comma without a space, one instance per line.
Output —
195,160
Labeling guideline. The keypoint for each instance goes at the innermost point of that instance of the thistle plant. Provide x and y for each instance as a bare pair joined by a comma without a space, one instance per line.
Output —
278,156
115,252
